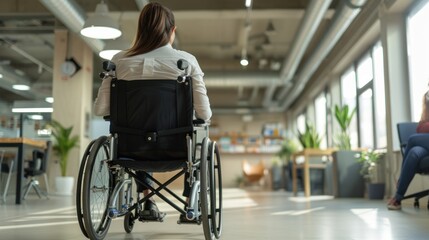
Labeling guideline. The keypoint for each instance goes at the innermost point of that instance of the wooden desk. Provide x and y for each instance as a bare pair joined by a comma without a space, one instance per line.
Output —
20,144
307,153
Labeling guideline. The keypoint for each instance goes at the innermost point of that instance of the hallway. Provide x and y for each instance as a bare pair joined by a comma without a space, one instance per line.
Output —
247,215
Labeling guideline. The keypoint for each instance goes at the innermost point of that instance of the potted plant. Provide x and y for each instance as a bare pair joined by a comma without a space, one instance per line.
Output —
344,118
288,147
64,142
371,170
350,183
309,138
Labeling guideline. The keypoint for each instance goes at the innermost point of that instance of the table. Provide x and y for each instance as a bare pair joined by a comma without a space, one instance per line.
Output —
20,143
307,153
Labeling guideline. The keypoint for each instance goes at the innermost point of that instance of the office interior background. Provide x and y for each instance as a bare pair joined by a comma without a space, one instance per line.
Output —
303,58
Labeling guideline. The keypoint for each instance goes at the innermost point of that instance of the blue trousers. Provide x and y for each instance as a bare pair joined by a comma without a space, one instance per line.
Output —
417,148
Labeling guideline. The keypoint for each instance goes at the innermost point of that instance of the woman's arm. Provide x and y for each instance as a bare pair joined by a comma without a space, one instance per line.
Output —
102,102
423,127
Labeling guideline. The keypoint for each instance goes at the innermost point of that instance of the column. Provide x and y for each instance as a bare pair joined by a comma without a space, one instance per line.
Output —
393,37
72,95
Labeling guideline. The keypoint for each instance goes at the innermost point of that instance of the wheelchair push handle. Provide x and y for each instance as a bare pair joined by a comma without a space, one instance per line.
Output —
109,67
182,64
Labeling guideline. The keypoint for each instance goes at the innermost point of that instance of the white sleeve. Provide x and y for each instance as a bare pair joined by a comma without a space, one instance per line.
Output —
201,100
102,102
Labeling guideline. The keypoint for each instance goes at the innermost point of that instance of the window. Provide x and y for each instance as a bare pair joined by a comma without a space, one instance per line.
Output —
365,102
418,57
379,94
320,109
366,125
300,123
348,96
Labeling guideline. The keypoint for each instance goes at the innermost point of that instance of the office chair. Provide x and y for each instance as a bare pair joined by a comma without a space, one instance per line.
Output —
36,167
405,130
5,168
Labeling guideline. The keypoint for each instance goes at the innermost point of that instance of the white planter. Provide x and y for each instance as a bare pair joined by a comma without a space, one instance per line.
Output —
64,186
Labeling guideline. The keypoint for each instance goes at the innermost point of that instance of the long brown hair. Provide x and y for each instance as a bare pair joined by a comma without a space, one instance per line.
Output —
155,26
425,113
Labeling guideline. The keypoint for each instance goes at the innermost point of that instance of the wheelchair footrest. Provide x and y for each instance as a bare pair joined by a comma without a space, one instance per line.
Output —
151,216
184,220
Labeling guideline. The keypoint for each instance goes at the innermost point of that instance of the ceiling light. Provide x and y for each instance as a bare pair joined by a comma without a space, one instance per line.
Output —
100,25
248,3
244,62
21,87
49,99
35,117
32,110
112,47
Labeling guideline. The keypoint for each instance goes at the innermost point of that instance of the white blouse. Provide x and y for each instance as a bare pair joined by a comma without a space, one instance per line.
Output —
160,63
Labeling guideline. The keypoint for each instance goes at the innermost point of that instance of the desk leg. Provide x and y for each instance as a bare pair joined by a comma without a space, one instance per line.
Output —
306,177
19,174
294,180
334,177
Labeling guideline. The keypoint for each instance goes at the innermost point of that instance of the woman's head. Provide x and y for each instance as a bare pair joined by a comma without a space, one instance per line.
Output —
155,28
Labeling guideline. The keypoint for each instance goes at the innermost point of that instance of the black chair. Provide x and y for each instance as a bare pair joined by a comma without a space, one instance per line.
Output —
37,166
405,130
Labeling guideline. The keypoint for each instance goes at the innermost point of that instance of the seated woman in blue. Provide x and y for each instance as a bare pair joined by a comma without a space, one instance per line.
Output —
417,148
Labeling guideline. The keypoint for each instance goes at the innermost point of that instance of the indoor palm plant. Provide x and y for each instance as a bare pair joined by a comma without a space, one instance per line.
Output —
350,182
64,142
344,117
310,137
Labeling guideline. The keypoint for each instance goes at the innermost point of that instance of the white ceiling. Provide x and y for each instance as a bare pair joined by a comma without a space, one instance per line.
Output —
213,31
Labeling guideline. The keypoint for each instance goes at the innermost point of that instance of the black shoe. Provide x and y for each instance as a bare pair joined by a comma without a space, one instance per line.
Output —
150,212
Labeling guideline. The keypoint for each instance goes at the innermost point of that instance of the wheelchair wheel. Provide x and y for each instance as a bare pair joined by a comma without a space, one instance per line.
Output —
79,188
216,189
129,222
96,189
211,190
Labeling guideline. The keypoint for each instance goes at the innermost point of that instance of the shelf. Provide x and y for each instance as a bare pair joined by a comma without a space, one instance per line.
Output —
248,144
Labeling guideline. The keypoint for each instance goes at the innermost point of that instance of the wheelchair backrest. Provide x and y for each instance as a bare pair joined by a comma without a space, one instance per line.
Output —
151,118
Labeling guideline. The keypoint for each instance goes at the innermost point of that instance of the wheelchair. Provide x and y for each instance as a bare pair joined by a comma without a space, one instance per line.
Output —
142,138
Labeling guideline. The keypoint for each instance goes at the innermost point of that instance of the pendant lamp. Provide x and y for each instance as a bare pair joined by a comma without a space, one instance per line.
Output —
100,25
112,47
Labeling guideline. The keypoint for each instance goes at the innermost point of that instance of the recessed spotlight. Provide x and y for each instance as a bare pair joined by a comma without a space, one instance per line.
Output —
35,117
244,62
49,99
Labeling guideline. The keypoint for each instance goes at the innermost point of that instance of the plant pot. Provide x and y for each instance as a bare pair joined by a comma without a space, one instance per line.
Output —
276,177
350,184
64,186
376,190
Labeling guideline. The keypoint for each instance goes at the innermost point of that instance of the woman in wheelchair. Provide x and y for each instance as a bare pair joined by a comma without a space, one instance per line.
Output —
153,57
151,94
417,149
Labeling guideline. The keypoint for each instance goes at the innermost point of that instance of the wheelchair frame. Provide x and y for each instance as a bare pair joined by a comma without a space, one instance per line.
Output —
103,178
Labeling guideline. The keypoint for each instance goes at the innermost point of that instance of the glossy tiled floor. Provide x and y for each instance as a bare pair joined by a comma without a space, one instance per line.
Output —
247,215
